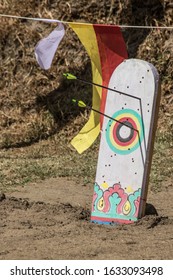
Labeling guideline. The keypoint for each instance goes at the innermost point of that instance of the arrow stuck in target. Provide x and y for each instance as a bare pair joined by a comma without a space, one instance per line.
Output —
81,104
70,76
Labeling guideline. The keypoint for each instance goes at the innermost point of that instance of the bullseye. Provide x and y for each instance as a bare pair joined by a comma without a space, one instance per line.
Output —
124,133
124,136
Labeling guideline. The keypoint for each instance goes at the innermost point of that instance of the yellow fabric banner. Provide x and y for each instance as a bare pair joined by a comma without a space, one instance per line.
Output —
90,131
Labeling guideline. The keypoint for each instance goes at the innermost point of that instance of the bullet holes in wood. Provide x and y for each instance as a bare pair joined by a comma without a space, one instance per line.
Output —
107,165
148,109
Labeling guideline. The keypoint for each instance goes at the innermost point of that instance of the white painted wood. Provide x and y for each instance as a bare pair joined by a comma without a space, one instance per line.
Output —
117,165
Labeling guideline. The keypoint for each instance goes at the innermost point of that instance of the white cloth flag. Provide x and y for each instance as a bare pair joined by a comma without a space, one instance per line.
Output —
46,48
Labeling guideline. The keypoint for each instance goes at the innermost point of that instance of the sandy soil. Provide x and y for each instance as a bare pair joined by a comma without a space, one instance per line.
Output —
51,220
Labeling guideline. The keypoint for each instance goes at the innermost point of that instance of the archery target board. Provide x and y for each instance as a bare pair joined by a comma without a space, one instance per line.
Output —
126,144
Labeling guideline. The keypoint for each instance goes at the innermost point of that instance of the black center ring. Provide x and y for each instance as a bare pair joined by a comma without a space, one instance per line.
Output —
124,140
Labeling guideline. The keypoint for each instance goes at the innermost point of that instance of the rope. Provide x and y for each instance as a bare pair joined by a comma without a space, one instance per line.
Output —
55,20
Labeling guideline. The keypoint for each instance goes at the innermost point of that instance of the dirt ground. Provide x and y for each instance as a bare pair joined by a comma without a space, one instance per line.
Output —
51,220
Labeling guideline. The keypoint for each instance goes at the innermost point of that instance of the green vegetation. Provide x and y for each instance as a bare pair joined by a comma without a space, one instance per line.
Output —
55,157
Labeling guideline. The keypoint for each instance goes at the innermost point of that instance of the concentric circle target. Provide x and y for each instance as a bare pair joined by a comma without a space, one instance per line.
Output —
126,134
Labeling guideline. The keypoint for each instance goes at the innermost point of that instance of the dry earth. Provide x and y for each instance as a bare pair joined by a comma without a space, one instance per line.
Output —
51,220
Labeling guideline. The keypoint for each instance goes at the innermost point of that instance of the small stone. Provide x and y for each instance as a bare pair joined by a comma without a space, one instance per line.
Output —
2,196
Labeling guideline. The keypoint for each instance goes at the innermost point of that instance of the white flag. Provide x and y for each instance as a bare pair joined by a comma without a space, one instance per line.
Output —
46,48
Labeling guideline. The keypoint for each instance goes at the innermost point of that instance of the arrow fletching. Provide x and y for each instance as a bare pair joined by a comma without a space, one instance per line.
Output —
80,103
70,76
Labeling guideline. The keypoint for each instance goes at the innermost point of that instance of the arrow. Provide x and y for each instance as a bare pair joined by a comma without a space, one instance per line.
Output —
81,104
70,76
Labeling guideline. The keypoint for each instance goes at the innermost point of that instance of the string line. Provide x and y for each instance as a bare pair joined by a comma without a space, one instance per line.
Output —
68,22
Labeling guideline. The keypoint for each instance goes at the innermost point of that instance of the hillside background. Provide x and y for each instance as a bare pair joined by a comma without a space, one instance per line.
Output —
37,119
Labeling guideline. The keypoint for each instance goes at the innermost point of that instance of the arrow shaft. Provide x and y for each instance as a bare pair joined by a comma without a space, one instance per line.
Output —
105,115
111,89
137,131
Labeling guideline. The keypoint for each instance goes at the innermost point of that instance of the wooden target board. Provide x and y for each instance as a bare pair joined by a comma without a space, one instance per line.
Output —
126,144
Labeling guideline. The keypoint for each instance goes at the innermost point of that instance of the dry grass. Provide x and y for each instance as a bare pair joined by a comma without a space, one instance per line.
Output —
37,119
55,157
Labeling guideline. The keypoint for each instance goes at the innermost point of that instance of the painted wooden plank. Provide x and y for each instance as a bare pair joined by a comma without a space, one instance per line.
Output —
126,144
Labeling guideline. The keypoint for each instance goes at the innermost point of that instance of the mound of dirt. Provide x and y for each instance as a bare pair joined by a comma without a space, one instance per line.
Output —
51,220
38,102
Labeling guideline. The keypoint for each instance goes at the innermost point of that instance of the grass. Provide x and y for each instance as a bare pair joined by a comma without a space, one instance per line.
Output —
54,157
162,164
48,158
